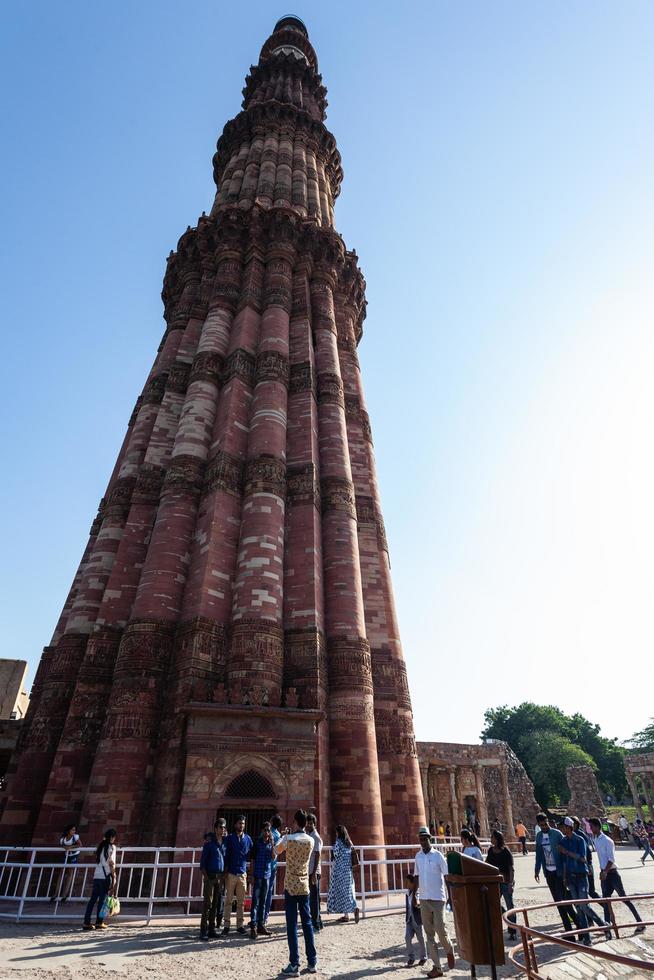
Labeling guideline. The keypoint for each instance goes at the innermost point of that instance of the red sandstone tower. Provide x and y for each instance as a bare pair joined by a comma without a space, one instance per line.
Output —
230,638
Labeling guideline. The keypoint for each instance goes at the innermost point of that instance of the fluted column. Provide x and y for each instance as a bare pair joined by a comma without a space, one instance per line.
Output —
198,666
255,662
122,771
354,771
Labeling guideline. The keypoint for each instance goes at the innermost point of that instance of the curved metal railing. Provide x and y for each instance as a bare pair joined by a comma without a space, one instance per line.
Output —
533,939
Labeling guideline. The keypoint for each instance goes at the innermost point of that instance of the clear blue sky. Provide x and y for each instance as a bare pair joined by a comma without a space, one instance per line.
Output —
498,188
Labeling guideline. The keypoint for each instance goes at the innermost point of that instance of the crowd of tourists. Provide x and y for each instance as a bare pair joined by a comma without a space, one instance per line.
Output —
234,866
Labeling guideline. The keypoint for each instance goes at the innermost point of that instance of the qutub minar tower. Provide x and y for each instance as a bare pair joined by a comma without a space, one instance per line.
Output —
230,639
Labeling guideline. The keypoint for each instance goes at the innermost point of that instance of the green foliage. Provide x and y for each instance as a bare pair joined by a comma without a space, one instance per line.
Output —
547,740
643,741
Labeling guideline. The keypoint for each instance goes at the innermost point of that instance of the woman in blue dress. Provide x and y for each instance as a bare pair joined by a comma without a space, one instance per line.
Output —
340,897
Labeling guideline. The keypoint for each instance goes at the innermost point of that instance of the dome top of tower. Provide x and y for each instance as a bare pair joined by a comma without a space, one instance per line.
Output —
290,37
293,23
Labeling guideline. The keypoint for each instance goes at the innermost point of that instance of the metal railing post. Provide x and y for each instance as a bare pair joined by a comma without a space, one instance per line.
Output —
28,877
153,885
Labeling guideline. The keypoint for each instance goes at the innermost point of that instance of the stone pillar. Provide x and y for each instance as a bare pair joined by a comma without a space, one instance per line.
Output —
633,789
354,772
256,658
454,801
305,673
508,806
482,809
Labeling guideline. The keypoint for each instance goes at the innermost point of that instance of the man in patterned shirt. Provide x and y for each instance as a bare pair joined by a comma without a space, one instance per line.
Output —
299,847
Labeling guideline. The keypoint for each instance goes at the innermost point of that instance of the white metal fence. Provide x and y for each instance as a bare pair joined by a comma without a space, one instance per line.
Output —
166,882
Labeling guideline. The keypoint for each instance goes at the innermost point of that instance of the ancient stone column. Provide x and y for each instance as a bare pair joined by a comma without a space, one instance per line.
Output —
454,802
482,809
508,806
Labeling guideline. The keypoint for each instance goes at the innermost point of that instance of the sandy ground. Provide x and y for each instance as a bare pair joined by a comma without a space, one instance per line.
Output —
374,948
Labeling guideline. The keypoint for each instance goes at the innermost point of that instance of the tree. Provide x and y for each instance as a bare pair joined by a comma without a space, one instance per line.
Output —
548,760
643,741
547,740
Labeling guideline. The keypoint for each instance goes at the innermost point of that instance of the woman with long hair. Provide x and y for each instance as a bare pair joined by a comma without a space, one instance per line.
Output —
471,844
340,897
104,878
501,858
63,881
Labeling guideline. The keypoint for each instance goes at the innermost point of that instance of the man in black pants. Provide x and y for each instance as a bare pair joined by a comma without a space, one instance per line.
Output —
609,874
314,872
548,857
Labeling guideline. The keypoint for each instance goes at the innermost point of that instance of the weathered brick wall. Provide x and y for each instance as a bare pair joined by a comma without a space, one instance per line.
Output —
585,797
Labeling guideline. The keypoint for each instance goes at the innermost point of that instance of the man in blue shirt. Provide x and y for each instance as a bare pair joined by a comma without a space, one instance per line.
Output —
275,824
238,851
263,859
575,873
212,867
549,859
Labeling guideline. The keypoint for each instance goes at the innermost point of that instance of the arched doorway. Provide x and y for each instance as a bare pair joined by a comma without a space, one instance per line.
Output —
252,795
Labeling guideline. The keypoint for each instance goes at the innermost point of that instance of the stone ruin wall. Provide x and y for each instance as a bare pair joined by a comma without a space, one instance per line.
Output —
585,797
521,789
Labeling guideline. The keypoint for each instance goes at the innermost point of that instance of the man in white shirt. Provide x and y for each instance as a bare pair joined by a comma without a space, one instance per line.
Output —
623,823
314,872
430,869
609,874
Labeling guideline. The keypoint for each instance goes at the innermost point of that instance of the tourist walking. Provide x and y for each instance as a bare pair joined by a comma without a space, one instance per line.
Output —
592,893
238,851
263,859
429,871
640,832
71,843
299,848
104,879
501,858
471,846
521,834
212,868
550,861
275,830
413,923
340,897
610,879
575,875
314,872
623,824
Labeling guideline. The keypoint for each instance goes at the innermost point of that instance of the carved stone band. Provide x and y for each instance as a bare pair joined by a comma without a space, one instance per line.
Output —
272,366
302,377
338,494
207,366
330,389
240,364
302,485
224,472
155,388
185,473
266,474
